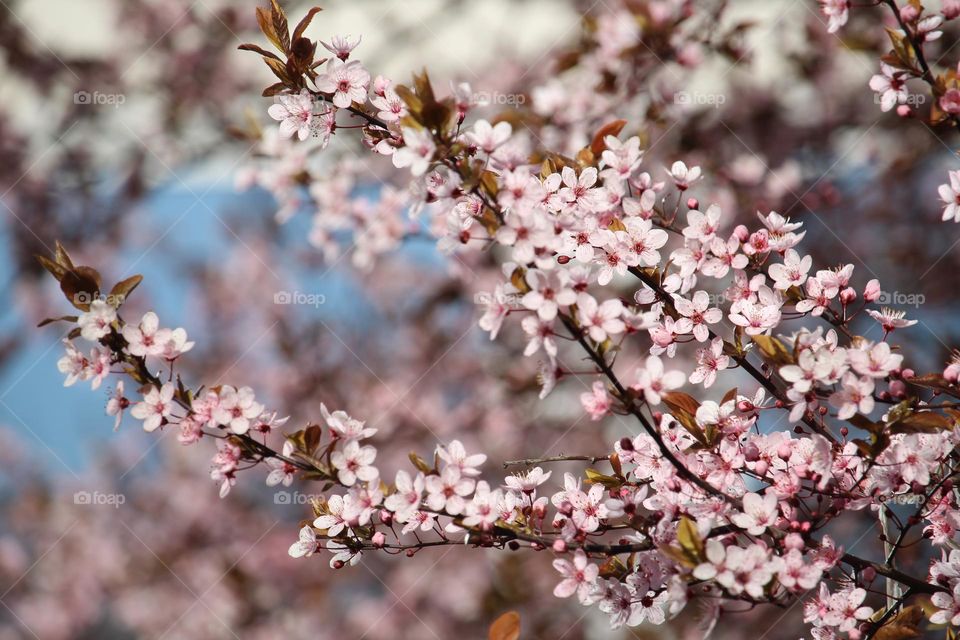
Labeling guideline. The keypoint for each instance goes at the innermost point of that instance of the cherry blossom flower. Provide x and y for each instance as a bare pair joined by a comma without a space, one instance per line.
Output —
792,272
579,577
838,12
347,81
653,380
891,84
236,408
759,513
341,46
295,114
447,491
699,312
455,455
600,320
876,361
890,319
416,152
147,338
549,291
948,605
527,482
405,501
855,396
710,360
682,176
74,364
487,137
157,405
950,195
116,404
95,323
355,463
225,464
597,401
307,544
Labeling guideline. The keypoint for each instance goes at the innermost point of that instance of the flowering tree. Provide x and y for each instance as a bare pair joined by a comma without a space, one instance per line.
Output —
762,415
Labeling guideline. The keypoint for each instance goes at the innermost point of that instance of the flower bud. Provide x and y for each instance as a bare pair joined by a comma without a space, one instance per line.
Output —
761,467
909,13
745,406
848,295
386,517
869,574
904,111
950,9
560,545
693,203
872,291
626,444
378,539
741,233
793,541
751,452
908,373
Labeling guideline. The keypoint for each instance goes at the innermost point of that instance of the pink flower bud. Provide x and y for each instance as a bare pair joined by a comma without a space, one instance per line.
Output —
950,101
761,467
950,9
693,203
793,541
559,545
848,295
784,451
741,233
751,452
898,389
952,372
904,111
378,539
869,574
909,13
908,373
872,291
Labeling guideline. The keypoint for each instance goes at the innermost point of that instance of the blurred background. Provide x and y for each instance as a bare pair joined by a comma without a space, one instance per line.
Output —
125,133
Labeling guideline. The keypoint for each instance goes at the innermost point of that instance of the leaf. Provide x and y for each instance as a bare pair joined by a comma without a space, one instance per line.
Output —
47,321
689,537
56,270
120,291
680,401
903,626
81,286
924,422
901,47
506,627
773,350
280,25
595,477
62,257
273,90
265,20
303,24
729,395
279,69
420,463
260,50
599,144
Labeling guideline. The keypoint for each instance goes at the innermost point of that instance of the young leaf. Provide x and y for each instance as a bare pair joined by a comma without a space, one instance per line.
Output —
303,24
506,627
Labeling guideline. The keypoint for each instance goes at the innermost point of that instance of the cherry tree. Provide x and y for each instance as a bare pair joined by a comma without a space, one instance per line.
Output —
769,401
